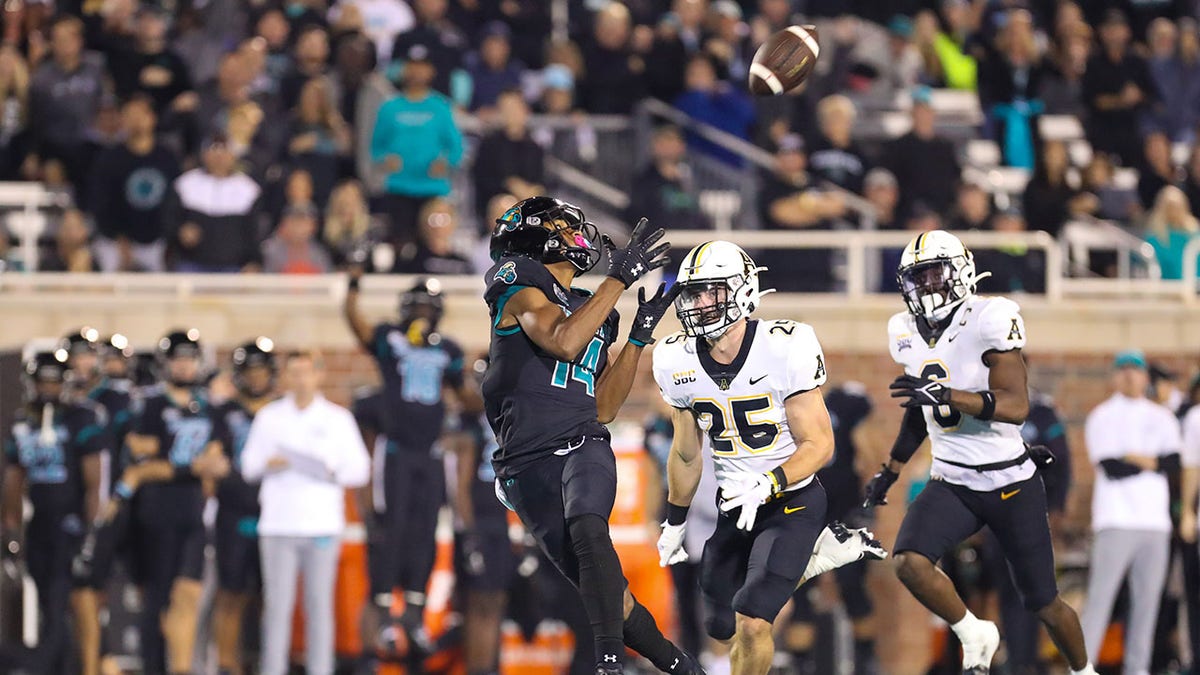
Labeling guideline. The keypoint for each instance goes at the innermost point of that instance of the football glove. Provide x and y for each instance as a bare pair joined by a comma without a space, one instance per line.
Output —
839,545
878,486
670,545
920,391
631,263
748,494
650,312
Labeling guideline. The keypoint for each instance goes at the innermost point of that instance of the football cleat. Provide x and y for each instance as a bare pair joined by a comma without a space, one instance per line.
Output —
839,545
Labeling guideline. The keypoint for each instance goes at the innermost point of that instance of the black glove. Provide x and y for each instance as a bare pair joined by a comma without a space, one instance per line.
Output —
920,391
878,487
650,312
631,263
1040,454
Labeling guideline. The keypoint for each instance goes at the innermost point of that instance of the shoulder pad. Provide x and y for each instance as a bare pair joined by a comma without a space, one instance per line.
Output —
519,271
1001,327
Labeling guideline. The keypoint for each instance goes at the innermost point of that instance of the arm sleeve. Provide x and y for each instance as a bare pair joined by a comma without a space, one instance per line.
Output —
354,465
913,432
1118,468
805,362
257,449
1001,327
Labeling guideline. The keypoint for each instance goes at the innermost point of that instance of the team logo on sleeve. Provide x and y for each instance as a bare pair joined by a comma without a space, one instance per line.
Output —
820,368
1014,333
507,273
562,296
903,343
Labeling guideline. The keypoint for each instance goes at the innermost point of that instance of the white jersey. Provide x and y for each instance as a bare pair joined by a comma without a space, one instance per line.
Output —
740,406
977,326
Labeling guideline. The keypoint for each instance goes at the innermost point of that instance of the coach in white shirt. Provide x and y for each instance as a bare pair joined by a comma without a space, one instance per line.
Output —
306,451
1132,441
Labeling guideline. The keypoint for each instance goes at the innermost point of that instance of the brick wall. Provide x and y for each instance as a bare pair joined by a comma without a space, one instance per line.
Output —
1077,384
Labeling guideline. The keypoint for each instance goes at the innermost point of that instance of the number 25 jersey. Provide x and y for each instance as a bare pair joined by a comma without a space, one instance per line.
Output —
978,326
740,406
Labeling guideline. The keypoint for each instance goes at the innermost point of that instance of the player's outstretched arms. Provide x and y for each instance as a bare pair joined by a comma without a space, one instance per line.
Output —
617,379
684,468
912,434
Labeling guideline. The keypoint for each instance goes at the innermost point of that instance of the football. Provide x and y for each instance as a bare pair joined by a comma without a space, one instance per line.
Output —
784,61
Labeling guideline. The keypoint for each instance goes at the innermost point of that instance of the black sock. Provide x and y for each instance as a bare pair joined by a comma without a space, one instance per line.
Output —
414,609
601,585
643,636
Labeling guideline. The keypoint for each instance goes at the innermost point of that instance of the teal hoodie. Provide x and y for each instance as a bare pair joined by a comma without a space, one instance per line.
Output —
419,132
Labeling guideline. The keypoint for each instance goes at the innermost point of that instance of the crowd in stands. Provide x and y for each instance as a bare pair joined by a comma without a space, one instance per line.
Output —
298,136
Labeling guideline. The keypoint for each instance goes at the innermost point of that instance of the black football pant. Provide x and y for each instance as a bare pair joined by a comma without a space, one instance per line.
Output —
404,544
49,549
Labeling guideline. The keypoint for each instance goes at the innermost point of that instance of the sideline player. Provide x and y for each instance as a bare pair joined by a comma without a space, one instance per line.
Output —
417,364
964,386
254,371
549,389
754,388
52,451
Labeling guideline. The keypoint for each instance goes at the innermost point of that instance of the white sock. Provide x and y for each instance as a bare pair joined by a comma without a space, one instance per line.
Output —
965,625
1086,670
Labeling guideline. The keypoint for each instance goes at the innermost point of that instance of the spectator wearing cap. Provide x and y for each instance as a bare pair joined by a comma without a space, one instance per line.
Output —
418,143
613,82
492,68
446,46
508,160
972,208
664,191
213,217
65,93
1117,89
716,103
882,190
926,166
129,189
433,253
790,200
294,248
1014,266
1133,443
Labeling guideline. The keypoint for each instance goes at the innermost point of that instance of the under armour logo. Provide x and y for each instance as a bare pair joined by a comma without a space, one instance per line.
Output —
674,663
646,322
610,658
637,269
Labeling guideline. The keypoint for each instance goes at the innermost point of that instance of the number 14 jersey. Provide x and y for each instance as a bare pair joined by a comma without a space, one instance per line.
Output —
979,325
740,406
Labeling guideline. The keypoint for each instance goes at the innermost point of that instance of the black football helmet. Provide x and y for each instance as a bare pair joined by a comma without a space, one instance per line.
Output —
46,367
538,228
83,340
175,345
424,300
257,353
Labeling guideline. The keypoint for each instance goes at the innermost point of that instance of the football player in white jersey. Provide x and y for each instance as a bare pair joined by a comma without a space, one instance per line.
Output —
753,388
964,387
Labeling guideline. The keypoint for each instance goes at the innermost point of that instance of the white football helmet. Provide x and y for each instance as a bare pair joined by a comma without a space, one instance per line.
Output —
719,287
936,274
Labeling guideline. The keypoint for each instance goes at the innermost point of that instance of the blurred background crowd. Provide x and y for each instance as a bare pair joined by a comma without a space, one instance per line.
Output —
301,137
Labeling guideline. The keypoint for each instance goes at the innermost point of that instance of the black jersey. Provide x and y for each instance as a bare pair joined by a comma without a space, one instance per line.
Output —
1044,426
182,432
234,493
848,406
413,376
116,397
535,403
52,456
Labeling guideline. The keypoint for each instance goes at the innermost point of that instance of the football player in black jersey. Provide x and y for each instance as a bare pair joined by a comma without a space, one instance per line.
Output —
84,353
549,389
254,371
178,426
52,454
418,365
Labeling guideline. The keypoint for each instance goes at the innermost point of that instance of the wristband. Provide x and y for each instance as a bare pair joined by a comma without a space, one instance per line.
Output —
778,479
123,490
676,514
637,343
989,406
353,285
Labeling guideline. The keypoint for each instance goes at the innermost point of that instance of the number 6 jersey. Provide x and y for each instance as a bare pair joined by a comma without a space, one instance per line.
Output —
740,406
979,325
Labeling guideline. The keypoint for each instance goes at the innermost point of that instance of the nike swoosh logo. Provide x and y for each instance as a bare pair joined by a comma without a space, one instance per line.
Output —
951,338
793,509
756,380
1004,496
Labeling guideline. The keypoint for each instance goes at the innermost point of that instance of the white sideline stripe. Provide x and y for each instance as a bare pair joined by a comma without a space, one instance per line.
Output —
807,37
764,73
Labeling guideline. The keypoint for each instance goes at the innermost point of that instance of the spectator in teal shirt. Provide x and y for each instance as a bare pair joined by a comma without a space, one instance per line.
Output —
1169,229
417,142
